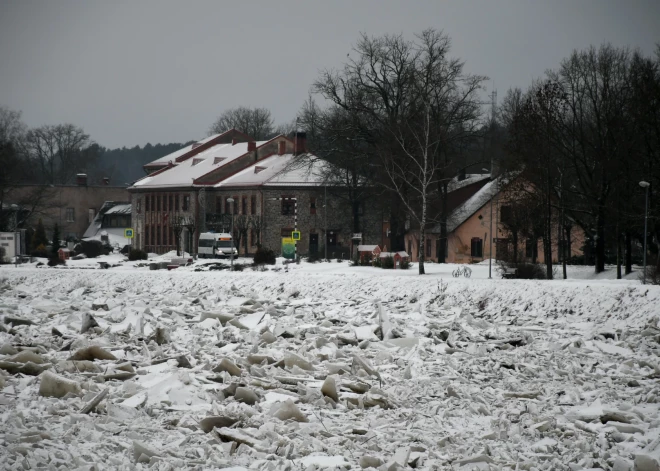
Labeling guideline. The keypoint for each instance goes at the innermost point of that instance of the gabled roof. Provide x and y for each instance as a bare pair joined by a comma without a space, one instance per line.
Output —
184,173
176,154
275,171
470,178
463,212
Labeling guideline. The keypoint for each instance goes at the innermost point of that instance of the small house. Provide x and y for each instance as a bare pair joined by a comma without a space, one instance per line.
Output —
398,257
64,254
368,252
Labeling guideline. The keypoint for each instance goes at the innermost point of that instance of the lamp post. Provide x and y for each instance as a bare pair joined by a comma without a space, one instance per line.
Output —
645,185
230,200
490,234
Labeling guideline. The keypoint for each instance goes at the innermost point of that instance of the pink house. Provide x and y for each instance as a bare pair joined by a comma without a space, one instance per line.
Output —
368,252
469,226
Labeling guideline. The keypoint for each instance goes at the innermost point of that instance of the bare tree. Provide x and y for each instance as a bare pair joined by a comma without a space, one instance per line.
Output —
255,122
258,224
412,107
241,227
60,152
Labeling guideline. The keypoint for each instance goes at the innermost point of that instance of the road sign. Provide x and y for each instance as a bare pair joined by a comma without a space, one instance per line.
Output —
128,233
295,235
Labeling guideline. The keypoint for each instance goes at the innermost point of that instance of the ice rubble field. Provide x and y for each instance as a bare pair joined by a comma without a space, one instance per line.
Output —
306,370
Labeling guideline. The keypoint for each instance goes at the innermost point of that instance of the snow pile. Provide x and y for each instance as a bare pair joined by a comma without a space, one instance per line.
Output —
271,371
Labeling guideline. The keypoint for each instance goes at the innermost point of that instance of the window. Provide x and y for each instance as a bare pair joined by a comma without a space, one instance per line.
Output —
164,202
244,205
153,235
70,213
171,204
428,248
253,205
164,235
186,203
158,235
176,202
227,206
253,238
138,204
288,206
218,204
312,206
90,215
477,248
147,201
158,203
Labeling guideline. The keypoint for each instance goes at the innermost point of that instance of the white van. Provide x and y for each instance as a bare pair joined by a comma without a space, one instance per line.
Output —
213,245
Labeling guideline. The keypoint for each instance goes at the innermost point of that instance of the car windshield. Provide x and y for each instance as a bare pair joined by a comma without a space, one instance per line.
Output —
224,243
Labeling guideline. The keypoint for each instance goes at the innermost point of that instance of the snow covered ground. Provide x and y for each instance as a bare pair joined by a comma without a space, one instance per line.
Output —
325,365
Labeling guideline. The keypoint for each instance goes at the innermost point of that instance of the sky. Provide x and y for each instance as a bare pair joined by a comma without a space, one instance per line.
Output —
160,71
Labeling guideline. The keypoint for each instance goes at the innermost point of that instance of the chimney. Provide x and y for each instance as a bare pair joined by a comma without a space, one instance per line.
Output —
300,142
81,179
281,148
233,141
252,146
106,181
461,175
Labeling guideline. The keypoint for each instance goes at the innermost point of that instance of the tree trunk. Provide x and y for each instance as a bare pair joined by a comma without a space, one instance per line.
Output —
442,241
600,241
619,253
356,216
420,249
514,236
567,249
547,240
628,243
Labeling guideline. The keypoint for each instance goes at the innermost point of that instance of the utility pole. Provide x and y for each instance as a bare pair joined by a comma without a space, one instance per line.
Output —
493,105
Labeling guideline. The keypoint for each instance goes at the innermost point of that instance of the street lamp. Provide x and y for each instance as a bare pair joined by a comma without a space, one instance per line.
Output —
645,185
231,231
490,234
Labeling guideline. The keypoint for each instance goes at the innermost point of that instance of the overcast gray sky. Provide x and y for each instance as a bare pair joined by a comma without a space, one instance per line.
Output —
132,72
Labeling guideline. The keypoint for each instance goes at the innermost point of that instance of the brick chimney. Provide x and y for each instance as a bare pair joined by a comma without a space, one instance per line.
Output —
300,142
81,179
252,146
281,148
233,141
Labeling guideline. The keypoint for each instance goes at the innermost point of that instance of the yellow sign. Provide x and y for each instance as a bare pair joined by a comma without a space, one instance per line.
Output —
128,233
295,235
288,248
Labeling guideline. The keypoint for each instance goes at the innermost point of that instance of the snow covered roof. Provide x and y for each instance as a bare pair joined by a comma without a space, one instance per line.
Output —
205,162
120,209
367,248
275,170
174,155
471,206
469,179
402,254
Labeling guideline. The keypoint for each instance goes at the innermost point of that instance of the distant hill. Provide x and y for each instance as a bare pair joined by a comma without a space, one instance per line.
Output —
124,165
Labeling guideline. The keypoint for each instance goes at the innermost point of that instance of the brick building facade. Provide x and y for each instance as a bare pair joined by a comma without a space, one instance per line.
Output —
199,183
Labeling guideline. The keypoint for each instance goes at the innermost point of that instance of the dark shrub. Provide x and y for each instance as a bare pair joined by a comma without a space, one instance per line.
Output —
137,254
387,263
404,264
238,267
92,248
40,251
525,270
54,261
264,256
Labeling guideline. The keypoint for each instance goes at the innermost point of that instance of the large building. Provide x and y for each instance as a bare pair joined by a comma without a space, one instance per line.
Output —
260,189
72,207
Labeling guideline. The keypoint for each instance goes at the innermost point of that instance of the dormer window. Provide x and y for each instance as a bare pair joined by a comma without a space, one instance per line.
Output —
196,144
258,169
197,161
217,160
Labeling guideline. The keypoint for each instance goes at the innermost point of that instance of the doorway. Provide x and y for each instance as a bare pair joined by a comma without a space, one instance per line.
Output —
313,243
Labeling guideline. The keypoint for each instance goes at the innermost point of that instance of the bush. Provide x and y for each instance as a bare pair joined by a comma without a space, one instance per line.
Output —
3,252
404,264
264,256
54,261
137,254
92,248
525,270
387,263
238,267
40,251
